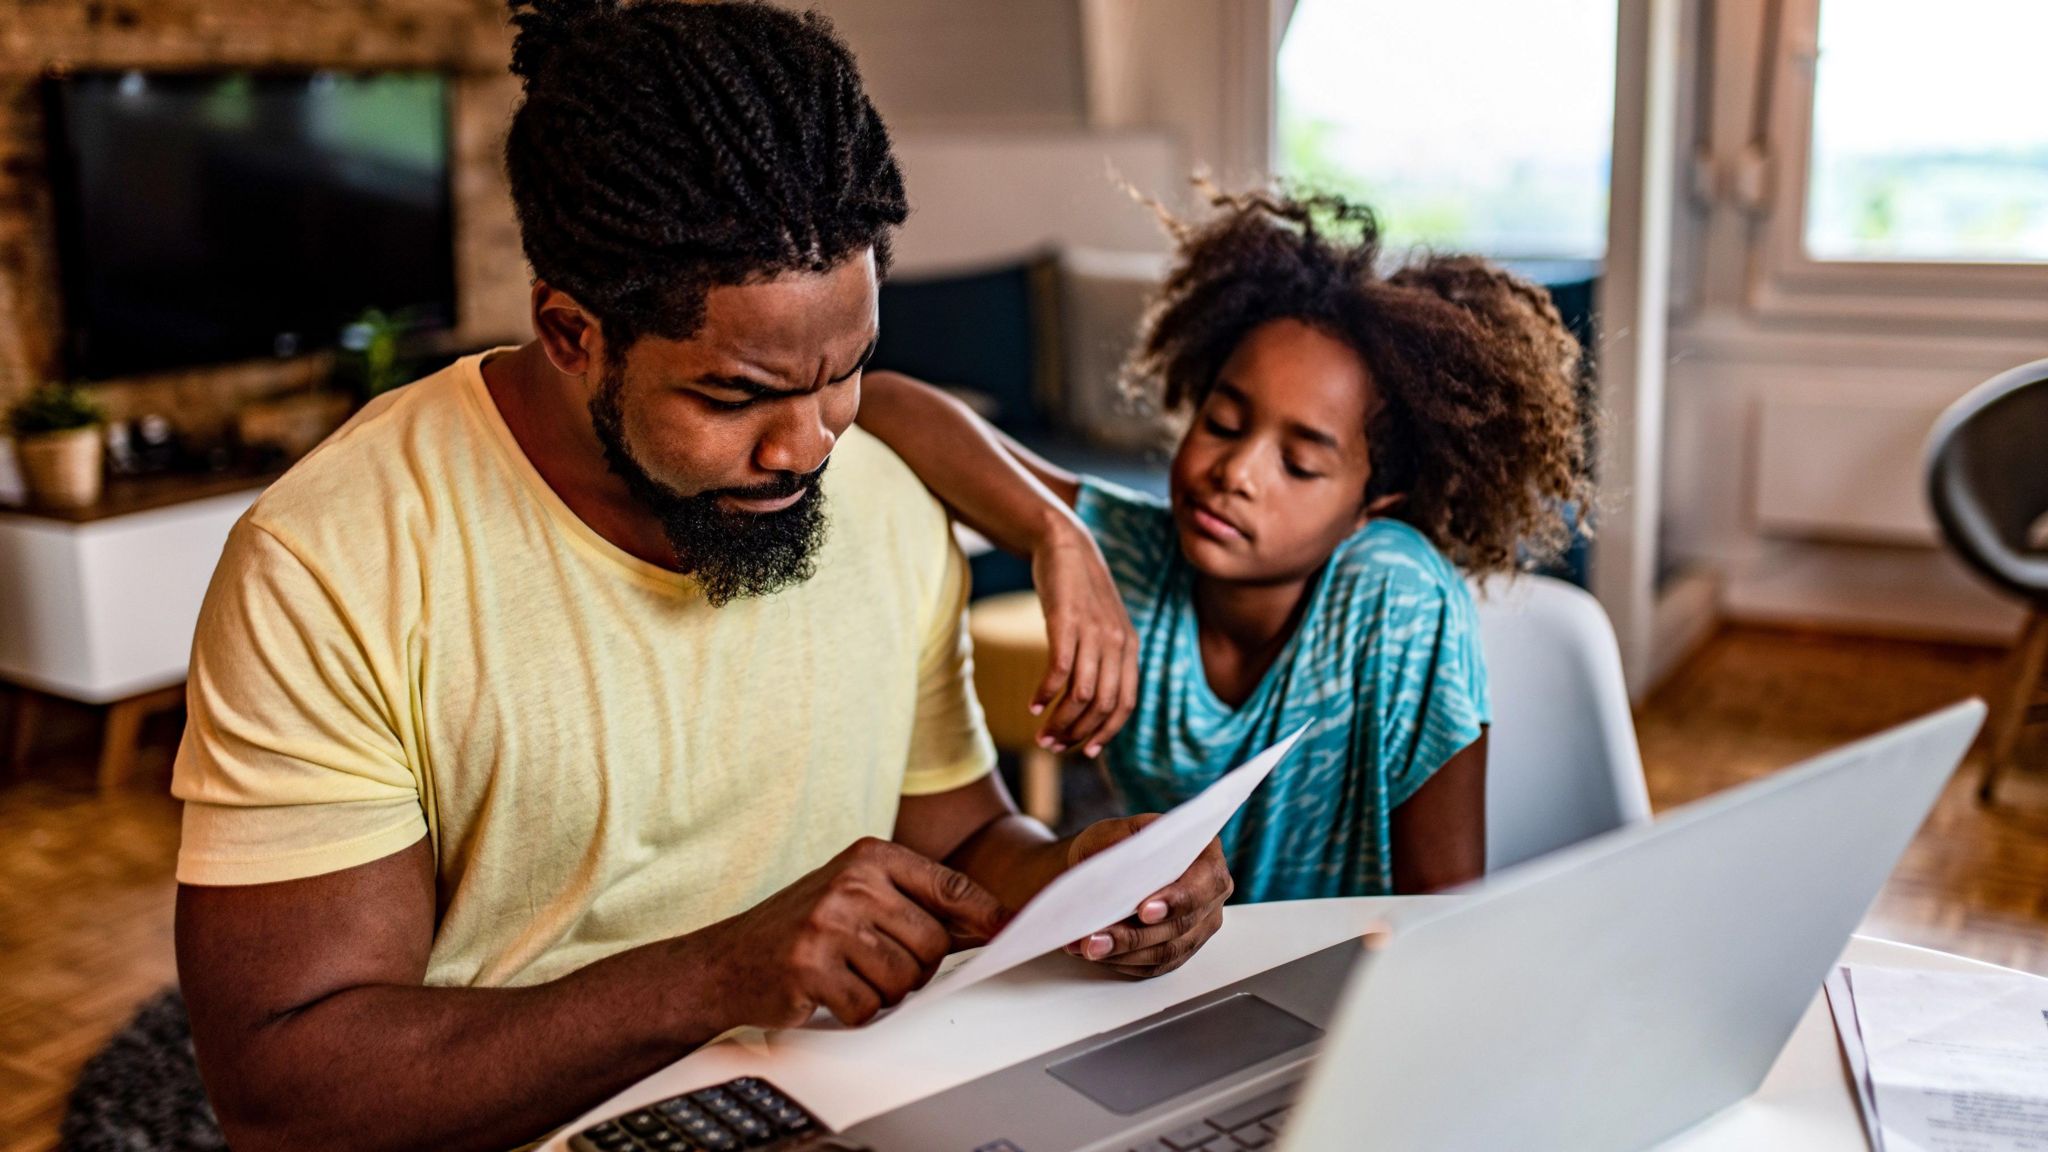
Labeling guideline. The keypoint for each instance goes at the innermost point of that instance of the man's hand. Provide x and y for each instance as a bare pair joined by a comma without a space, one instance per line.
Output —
1092,651
854,937
1172,923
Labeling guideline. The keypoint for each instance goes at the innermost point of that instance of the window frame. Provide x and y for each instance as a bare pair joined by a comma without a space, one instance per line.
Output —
1785,283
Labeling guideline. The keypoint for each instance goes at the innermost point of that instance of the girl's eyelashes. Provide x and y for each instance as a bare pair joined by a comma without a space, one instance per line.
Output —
1218,428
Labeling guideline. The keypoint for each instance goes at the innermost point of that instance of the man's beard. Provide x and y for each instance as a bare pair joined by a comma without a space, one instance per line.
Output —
731,554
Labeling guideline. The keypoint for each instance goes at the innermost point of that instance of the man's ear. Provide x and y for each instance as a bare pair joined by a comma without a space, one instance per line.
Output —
568,334
1379,506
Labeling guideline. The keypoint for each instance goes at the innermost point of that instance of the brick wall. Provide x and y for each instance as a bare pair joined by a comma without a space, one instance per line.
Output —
469,39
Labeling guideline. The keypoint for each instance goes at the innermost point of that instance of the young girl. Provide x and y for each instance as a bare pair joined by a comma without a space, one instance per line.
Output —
1354,441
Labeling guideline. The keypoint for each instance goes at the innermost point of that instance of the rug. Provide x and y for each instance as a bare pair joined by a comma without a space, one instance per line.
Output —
141,1093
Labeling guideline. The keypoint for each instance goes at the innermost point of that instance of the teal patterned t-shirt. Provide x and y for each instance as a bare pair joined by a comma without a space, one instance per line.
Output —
1385,668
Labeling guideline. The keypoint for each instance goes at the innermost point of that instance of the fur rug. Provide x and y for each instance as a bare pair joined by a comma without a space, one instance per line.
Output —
141,1093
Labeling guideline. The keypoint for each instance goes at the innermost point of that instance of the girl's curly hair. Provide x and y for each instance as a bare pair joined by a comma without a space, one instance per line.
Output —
1479,424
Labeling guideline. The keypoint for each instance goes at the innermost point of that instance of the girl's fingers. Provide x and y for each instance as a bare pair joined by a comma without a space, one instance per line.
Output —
1126,703
1088,732
1080,694
1061,644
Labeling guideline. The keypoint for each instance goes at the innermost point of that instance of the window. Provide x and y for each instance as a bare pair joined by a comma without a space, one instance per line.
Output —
1930,132
1482,125
1909,159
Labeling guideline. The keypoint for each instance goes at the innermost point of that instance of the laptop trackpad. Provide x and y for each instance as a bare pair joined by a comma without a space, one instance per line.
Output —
1132,1073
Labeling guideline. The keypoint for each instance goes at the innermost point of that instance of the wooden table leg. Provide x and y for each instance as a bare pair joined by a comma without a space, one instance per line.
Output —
2028,658
124,726
1040,772
28,711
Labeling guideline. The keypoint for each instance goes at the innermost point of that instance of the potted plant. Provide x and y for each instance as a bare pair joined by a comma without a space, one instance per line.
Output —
366,365
369,365
57,437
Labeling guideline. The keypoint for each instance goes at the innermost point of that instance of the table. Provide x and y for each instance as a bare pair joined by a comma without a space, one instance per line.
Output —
848,1075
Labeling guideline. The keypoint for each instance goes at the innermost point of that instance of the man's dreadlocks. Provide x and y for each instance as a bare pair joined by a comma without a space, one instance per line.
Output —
665,148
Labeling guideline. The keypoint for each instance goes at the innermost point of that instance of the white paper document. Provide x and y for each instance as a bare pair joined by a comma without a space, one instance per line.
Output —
1109,886
1952,1061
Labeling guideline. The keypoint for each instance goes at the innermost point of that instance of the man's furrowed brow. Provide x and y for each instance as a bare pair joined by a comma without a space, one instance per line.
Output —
866,355
743,384
749,386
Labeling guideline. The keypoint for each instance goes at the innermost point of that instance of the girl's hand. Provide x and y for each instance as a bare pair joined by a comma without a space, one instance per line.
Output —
1091,674
1169,925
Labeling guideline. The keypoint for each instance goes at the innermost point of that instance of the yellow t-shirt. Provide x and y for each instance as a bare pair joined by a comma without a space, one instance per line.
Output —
411,635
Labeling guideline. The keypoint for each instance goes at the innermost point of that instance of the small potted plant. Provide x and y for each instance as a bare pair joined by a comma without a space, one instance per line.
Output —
369,365
57,438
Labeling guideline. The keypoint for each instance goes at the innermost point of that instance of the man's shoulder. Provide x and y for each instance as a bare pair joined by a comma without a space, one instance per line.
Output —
888,540
859,455
870,484
376,467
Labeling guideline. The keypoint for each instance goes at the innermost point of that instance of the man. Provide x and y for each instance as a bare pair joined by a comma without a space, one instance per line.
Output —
564,710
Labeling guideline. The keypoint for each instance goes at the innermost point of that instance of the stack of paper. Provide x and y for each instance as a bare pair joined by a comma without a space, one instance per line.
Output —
1946,1061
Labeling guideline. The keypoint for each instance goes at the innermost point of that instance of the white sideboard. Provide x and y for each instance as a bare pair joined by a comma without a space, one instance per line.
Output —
100,609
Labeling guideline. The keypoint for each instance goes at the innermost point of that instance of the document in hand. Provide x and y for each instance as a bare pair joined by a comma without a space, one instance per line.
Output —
1109,886
1946,1061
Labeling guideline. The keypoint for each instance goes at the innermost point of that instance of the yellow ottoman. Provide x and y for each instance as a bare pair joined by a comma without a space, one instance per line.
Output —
1009,661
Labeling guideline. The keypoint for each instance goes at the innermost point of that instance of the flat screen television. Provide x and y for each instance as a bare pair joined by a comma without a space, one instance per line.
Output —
210,217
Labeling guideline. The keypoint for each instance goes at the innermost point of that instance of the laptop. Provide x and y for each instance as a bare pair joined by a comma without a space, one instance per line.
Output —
1604,997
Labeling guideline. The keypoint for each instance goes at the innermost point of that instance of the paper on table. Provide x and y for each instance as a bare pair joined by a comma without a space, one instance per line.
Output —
1842,1003
1109,885
1958,1061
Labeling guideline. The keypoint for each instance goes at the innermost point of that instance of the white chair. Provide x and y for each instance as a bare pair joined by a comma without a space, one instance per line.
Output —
1562,762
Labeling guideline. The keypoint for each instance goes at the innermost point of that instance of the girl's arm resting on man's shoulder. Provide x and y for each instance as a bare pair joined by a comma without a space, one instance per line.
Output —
1440,832
1025,505
995,485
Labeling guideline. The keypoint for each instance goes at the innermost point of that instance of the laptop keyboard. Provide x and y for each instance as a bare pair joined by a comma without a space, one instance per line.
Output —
1255,1123
743,1114
751,1115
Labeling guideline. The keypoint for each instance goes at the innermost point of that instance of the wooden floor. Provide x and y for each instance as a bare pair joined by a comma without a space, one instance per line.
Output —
85,915
86,889
1975,881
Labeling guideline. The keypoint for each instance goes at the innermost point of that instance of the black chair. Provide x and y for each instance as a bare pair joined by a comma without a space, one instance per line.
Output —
1987,478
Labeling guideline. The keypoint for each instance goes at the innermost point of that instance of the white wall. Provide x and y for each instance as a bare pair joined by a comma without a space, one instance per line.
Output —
1632,301
986,198
1782,514
1201,69
1018,123
943,65
1011,118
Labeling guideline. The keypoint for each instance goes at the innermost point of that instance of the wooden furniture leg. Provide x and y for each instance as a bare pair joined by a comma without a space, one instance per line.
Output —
28,713
2028,658
1040,773
1009,661
124,726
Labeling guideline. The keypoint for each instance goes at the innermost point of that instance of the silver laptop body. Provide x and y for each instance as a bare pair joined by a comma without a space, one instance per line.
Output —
1617,992
1601,998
